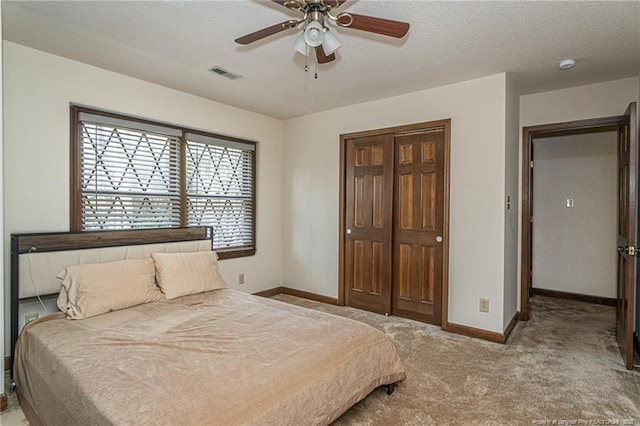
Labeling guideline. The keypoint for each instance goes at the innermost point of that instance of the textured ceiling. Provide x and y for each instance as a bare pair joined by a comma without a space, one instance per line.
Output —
174,43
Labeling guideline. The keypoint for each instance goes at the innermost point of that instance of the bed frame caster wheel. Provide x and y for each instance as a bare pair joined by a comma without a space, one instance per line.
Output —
390,388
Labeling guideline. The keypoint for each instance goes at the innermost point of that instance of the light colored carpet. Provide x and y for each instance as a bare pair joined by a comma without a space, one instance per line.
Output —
562,365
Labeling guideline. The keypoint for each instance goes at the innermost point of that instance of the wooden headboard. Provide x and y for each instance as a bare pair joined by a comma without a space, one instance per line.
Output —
36,259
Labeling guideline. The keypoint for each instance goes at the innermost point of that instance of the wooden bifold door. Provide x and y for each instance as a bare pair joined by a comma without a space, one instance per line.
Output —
394,220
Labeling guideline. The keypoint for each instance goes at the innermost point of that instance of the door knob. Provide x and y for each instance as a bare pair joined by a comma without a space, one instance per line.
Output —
439,239
348,231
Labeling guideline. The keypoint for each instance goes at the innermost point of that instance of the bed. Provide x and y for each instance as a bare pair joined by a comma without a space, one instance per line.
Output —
214,357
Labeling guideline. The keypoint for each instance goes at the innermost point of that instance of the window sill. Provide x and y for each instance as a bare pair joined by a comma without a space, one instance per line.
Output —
235,254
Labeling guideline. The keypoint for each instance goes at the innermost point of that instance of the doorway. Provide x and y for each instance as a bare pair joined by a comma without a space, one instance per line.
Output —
627,150
394,206
574,205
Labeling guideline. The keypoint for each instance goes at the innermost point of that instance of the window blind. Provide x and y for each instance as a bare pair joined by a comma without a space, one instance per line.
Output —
220,190
130,177
133,173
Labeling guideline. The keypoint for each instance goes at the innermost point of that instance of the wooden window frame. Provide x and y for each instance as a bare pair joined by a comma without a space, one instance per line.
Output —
75,181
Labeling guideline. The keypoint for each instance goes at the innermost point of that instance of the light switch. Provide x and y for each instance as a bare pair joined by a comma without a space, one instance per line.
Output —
569,203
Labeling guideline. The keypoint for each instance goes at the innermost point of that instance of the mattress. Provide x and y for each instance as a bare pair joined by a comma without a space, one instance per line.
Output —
221,357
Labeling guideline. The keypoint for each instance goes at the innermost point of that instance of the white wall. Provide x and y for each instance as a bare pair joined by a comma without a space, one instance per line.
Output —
511,259
311,191
574,249
38,90
606,99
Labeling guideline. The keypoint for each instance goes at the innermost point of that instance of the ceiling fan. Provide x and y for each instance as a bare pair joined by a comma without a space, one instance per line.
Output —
316,35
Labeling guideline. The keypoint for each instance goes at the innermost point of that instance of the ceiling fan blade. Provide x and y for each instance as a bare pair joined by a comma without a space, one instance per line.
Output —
371,24
322,57
266,32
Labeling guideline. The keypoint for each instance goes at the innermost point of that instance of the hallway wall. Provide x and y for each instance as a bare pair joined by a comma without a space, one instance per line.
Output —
574,249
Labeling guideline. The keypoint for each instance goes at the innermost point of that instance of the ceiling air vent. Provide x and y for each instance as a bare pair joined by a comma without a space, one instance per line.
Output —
221,71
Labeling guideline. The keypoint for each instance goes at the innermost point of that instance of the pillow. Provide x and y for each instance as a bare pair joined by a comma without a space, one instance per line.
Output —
181,274
93,289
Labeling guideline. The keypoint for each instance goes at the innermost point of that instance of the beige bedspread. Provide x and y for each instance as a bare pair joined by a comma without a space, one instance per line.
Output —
221,357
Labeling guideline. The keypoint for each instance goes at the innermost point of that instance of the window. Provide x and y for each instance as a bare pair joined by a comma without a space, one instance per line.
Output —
220,189
129,173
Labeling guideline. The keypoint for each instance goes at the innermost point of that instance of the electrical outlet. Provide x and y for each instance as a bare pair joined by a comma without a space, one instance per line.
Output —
30,317
241,278
484,305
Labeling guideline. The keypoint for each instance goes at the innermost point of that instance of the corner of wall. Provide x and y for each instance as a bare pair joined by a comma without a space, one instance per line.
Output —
511,218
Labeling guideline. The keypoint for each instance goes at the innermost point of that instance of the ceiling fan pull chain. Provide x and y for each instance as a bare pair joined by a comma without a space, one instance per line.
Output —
316,71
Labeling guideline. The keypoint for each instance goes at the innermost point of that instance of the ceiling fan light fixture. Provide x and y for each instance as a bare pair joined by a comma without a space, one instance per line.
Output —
314,34
331,42
300,45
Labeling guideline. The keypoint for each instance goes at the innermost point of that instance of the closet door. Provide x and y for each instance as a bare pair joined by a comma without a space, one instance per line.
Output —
418,225
368,222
